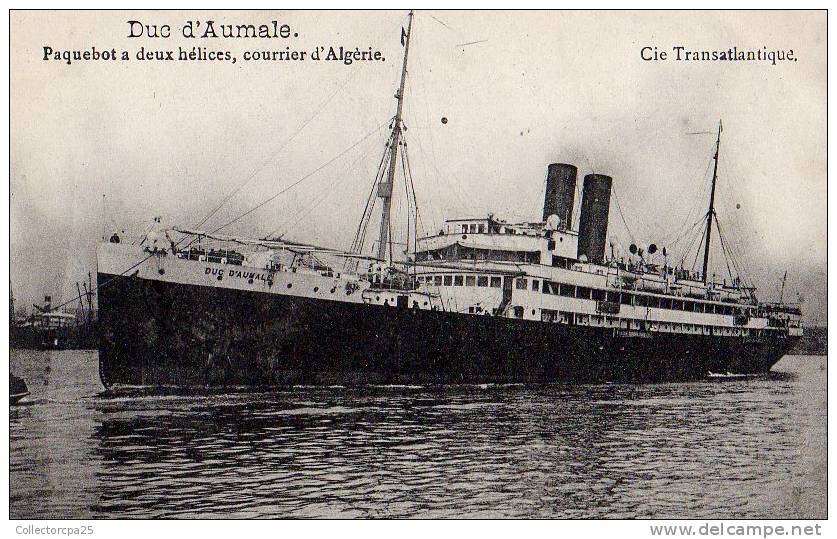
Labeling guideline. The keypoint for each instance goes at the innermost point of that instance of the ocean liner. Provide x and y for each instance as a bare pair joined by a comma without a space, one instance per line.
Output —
483,300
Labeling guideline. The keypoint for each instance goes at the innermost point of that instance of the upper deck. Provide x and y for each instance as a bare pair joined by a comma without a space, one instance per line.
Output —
541,250
492,239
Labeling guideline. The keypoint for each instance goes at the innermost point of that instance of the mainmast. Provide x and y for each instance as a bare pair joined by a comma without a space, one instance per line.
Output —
385,187
711,211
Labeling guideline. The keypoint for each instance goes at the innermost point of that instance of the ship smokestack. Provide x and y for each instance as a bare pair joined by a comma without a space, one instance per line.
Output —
560,192
595,206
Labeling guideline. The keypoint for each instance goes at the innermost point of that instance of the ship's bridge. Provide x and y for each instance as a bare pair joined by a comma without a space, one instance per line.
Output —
489,238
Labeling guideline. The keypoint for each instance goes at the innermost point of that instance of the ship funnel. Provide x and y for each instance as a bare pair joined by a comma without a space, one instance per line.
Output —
560,193
595,206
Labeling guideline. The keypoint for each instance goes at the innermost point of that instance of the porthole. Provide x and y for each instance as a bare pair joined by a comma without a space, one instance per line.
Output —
249,281
377,298
533,311
333,290
290,285
161,271
220,277
316,289
464,236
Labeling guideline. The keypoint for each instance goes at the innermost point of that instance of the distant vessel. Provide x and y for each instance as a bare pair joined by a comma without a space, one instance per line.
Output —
50,328
484,300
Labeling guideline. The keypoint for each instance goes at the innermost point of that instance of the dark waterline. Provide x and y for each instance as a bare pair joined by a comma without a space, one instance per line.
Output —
722,448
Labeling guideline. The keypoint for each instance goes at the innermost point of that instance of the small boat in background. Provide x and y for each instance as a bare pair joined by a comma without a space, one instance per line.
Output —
17,389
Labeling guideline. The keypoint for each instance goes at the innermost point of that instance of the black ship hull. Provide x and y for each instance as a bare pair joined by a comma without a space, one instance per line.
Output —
168,334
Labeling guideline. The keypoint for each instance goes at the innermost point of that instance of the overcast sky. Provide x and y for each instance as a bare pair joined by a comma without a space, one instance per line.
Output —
174,138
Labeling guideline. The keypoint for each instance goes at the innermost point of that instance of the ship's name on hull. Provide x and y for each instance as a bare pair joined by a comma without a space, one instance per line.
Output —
239,274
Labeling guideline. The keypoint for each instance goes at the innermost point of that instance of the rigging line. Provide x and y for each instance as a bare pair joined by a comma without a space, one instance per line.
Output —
406,190
737,263
730,252
97,287
684,227
702,229
738,251
681,231
453,187
727,255
417,216
389,236
420,221
270,158
410,189
622,215
303,212
401,239
288,188
439,181
730,258
742,267
368,217
364,219
695,201
415,198
417,82
300,213
407,195
145,234
364,224
688,231
697,254
357,241
541,196
688,249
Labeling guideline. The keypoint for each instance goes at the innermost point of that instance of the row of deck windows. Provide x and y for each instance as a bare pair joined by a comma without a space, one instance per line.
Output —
461,280
563,317
582,292
628,298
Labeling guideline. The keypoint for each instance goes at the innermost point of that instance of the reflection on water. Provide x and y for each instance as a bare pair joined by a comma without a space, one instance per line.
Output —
720,448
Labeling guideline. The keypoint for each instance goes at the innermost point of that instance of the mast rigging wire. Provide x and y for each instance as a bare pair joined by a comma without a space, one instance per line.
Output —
270,158
413,189
363,224
95,289
299,181
297,217
622,215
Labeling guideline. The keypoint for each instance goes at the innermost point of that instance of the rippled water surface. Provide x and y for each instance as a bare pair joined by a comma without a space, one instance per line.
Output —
720,448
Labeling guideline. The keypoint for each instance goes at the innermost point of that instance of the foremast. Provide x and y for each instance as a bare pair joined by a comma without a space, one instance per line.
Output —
711,212
385,188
